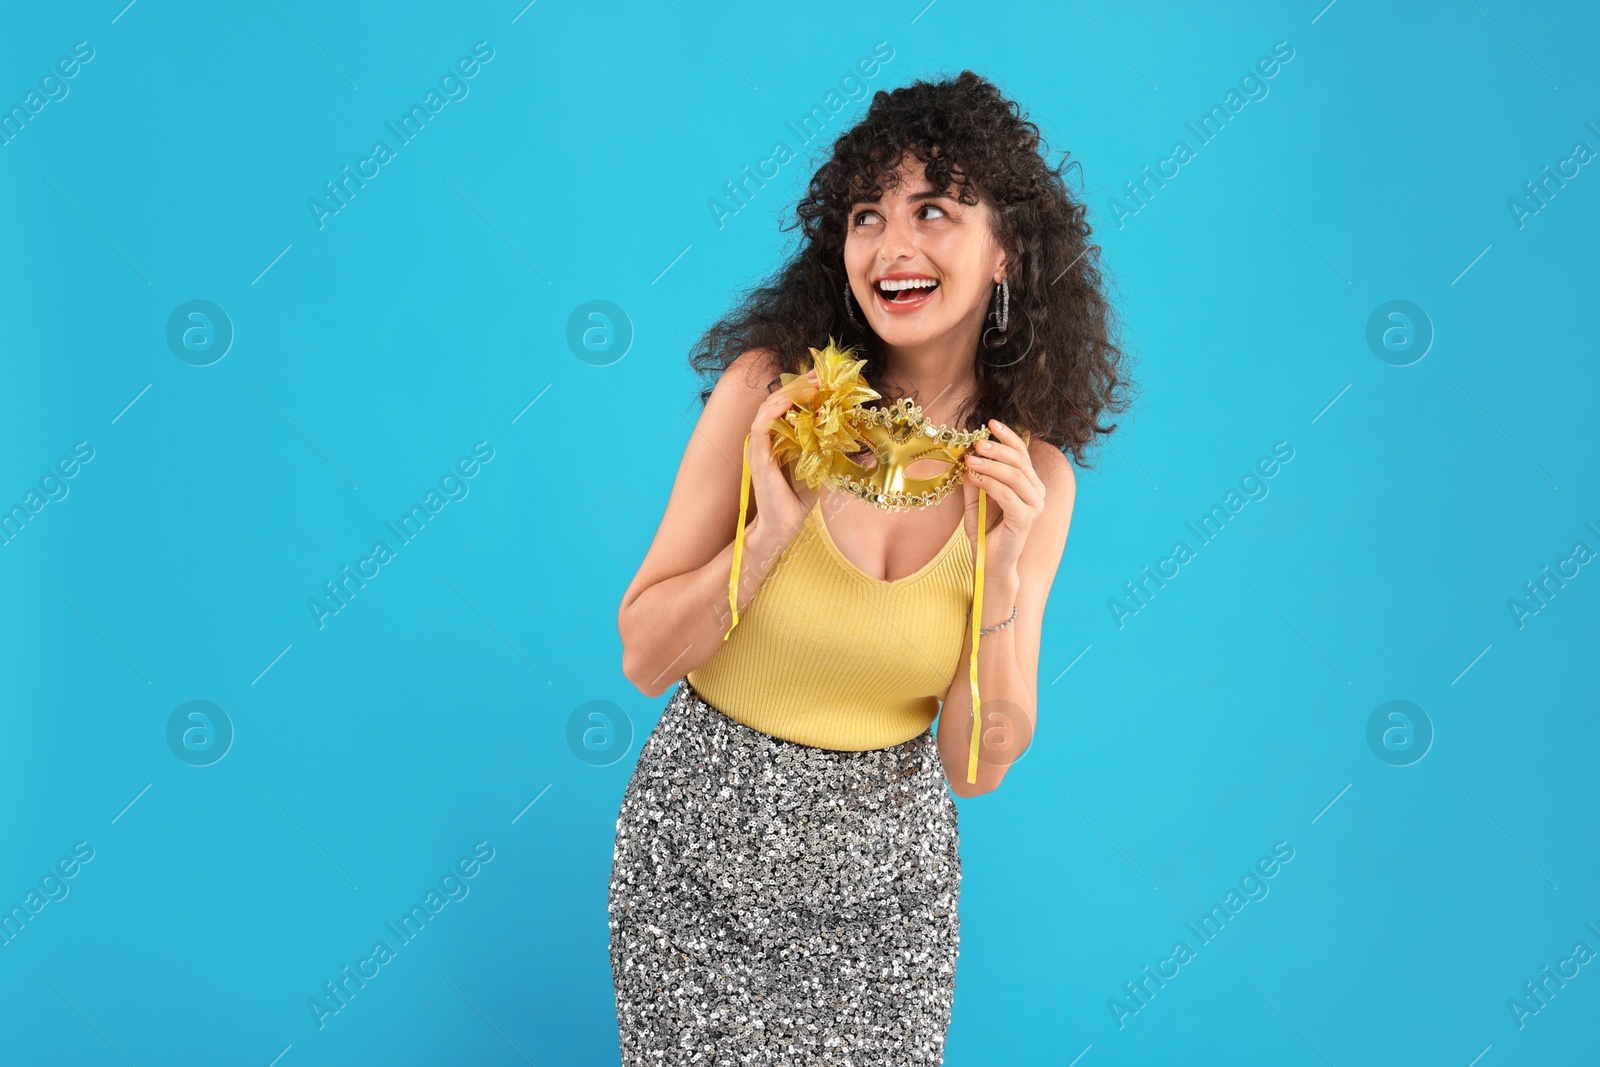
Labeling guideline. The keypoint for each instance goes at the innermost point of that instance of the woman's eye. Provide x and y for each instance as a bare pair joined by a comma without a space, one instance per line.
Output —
934,207
861,215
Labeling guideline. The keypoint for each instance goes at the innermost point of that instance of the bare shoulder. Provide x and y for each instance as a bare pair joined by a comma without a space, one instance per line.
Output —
744,384
750,375
1054,469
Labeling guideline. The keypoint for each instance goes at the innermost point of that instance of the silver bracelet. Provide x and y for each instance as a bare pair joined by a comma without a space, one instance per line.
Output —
999,625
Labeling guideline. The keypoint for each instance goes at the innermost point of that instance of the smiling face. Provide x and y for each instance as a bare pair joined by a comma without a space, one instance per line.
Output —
922,265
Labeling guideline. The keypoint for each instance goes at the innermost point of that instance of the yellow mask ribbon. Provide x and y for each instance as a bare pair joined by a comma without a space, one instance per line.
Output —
738,538
977,618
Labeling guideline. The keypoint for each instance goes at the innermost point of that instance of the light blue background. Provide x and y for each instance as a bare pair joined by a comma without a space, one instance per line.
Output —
427,315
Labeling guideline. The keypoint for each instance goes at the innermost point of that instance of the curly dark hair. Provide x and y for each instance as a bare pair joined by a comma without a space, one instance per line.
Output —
1057,367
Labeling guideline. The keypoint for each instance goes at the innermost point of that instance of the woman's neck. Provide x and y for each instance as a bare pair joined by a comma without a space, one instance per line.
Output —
940,382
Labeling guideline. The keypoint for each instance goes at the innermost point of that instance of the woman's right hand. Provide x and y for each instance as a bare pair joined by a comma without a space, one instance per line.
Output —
778,506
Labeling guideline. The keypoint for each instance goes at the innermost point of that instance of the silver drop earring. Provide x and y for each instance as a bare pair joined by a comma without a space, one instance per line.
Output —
994,337
850,314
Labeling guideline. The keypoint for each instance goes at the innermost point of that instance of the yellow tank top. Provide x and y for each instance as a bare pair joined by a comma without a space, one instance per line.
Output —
829,656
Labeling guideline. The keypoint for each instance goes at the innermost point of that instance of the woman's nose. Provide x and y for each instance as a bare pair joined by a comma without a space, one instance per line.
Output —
896,240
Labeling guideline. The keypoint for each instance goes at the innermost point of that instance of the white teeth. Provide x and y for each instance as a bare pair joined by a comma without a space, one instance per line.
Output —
895,285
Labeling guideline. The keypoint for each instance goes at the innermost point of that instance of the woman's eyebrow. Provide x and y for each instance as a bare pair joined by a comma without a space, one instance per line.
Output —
929,194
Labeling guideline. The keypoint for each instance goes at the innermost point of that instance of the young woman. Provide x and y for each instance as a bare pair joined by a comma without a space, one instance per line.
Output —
786,871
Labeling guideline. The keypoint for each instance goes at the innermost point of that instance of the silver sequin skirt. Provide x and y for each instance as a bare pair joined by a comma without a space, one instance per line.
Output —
774,903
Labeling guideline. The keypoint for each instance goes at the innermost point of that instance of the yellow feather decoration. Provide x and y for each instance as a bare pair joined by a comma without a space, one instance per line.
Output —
819,424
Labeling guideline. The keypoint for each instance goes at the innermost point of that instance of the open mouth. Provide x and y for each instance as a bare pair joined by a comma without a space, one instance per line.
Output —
905,294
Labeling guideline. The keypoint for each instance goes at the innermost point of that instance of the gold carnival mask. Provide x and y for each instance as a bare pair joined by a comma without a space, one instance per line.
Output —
821,433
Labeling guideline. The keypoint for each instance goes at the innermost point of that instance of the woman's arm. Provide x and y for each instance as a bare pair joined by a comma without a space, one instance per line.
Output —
1008,660
675,611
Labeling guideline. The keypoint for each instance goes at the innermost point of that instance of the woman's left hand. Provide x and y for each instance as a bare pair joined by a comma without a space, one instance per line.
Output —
1001,466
